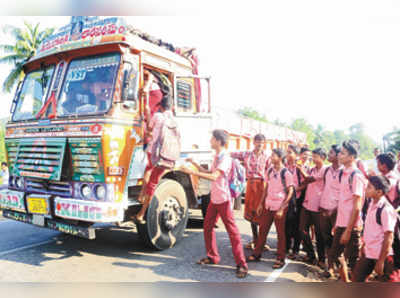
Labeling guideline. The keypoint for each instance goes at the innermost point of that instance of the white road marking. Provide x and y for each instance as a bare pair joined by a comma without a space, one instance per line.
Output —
275,274
2,253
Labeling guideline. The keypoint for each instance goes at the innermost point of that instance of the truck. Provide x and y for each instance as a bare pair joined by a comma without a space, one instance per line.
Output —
75,138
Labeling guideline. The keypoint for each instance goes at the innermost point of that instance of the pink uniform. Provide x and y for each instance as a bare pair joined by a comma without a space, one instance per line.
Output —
346,202
276,191
221,207
331,192
314,190
373,232
393,178
296,182
220,192
256,165
307,168
155,97
156,123
361,167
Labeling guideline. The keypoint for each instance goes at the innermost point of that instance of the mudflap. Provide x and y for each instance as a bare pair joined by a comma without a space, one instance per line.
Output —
86,232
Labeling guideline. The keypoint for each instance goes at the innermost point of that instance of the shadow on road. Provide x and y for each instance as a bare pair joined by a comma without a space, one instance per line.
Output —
111,241
127,250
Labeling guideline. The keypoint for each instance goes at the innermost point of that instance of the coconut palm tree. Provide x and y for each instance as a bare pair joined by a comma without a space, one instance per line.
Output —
27,41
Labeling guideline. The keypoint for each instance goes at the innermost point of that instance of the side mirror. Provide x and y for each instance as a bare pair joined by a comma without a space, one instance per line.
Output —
130,85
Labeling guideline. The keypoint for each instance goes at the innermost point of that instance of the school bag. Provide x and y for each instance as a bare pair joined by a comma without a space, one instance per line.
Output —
326,173
351,178
236,179
396,201
292,207
396,234
167,147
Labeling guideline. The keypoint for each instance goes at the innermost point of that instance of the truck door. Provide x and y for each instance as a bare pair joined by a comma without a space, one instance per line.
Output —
192,105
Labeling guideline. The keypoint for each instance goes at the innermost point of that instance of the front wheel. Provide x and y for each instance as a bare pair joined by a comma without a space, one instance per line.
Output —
166,217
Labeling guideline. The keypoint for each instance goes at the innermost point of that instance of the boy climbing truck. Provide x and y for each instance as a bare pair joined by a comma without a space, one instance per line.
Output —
76,139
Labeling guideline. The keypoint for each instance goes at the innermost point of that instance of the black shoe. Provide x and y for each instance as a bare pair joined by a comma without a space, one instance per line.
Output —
241,272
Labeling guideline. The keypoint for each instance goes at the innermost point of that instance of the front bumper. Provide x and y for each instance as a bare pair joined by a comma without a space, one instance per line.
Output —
76,230
15,206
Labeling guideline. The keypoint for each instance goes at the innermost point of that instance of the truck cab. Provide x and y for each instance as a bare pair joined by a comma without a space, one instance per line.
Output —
75,139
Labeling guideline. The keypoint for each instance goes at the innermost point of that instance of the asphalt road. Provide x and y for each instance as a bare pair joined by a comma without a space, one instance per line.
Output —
33,254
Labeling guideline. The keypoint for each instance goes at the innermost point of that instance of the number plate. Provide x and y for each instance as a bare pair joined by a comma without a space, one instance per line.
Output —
38,220
37,205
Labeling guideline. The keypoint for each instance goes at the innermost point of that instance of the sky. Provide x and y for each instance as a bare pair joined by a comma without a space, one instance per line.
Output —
334,63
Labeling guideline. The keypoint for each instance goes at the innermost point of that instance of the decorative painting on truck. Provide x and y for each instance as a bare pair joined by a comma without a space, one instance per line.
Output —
40,158
82,32
87,160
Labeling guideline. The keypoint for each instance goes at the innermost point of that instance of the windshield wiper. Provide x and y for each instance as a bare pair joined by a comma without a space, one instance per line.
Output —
43,79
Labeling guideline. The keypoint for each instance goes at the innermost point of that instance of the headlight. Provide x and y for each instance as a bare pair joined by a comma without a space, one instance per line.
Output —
86,191
100,192
19,182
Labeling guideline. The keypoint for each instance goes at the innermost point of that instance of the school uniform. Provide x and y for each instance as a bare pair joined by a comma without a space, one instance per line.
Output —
156,124
328,206
276,195
302,195
344,211
220,206
310,214
373,239
256,166
293,235
392,194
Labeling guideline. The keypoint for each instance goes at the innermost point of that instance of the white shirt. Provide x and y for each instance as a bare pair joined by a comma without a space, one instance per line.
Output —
4,175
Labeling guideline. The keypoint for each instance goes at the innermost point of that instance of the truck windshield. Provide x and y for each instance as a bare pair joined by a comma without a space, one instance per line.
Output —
88,87
33,94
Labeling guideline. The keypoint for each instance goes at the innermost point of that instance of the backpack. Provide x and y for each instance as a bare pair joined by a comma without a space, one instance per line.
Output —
292,207
298,175
167,147
396,201
351,177
325,173
236,179
396,234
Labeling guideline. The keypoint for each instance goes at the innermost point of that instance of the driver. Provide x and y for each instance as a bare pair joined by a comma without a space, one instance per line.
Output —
102,93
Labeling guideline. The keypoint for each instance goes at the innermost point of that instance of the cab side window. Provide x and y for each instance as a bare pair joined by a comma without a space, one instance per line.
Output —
185,96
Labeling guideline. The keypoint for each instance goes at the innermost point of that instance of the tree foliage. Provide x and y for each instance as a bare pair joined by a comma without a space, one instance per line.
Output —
392,140
2,144
320,137
252,113
24,44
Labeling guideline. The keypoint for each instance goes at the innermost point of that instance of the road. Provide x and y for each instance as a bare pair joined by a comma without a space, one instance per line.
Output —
33,254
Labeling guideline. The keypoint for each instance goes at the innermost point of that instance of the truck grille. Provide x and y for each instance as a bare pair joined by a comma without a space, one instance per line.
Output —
63,189
12,149
40,158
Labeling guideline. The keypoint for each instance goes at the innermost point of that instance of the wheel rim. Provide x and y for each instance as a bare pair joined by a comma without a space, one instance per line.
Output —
166,217
171,213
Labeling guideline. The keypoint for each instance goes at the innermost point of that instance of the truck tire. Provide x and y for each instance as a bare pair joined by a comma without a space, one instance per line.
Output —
166,217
